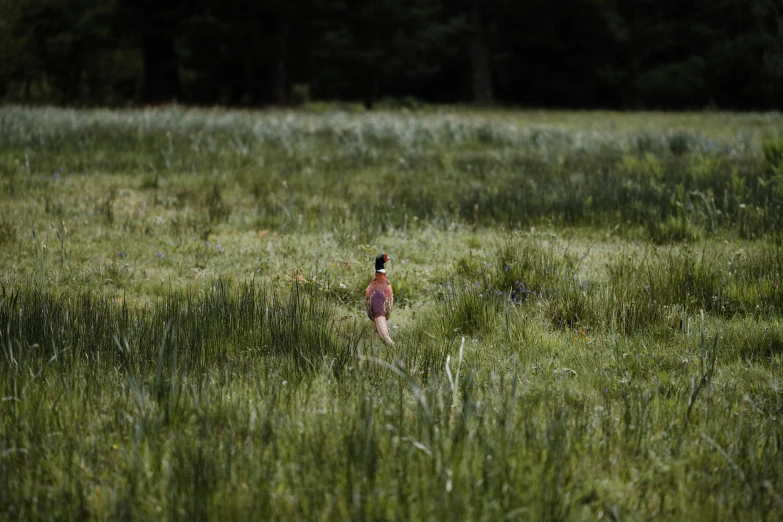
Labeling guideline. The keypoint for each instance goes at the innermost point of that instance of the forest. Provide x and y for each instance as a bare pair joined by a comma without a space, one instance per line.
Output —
599,54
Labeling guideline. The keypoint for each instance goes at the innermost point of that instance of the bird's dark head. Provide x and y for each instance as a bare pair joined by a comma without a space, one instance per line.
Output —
379,262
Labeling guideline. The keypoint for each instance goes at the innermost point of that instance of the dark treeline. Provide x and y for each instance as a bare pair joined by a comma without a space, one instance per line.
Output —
625,54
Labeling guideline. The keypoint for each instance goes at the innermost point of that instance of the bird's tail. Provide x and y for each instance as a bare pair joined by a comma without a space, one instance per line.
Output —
383,329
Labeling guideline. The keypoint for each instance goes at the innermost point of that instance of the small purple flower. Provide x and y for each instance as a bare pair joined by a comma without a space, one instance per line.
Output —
207,244
505,267
160,256
606,390
404,261
219,249
56,176
120,253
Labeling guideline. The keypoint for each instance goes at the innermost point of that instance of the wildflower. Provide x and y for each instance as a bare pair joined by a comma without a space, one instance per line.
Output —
120,253
56,176
219,249
160,256
581,335
404,261
505,267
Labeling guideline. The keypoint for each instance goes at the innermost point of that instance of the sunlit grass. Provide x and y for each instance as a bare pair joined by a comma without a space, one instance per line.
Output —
588,320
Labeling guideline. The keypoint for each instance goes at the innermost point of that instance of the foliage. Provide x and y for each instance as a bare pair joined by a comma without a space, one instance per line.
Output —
643,54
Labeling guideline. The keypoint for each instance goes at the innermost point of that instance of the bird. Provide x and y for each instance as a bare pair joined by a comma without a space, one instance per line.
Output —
379,299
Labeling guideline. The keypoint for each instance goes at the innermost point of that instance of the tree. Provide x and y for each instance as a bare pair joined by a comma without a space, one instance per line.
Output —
480,54
543,53
768,16
366,47
156,25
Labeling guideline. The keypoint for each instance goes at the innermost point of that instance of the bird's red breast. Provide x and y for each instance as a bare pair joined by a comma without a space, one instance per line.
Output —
379,299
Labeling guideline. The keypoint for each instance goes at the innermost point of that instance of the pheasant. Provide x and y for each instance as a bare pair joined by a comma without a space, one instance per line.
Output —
380,299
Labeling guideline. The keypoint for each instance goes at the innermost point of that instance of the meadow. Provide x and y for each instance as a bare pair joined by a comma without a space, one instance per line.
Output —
588,321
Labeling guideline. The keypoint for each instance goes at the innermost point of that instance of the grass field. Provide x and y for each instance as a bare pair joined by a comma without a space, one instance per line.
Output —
588,321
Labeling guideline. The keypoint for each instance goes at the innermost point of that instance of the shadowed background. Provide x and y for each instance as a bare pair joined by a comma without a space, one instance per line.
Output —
644,54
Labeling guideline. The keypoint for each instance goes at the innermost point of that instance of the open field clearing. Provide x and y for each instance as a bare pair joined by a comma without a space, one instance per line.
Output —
588,315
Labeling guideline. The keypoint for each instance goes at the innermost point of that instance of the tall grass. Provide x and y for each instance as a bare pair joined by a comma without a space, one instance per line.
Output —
183,334
306,170
97,429
243,323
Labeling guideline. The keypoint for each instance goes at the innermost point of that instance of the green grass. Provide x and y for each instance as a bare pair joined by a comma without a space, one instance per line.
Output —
588,321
